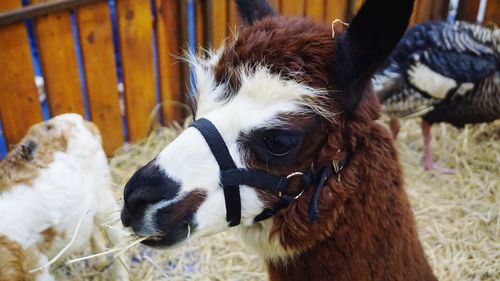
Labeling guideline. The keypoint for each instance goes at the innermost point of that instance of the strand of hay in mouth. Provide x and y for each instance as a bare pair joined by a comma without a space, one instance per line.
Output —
118,250
458,215
117,228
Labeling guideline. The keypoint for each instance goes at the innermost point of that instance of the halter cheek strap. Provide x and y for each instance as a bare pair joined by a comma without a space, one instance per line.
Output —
232,177
221,154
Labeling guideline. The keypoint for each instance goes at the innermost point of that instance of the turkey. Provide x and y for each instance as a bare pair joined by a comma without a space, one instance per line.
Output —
442,72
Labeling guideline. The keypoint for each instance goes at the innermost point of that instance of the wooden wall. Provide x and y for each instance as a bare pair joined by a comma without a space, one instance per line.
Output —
221,19
142,30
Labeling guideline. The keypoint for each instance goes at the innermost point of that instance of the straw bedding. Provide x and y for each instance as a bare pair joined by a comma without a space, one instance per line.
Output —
457,215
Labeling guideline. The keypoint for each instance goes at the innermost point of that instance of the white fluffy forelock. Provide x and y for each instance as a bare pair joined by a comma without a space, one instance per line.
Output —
257,83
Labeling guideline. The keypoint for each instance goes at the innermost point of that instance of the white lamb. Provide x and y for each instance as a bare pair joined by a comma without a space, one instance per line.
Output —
52,177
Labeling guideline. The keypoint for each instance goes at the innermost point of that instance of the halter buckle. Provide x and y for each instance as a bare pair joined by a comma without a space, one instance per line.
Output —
294,174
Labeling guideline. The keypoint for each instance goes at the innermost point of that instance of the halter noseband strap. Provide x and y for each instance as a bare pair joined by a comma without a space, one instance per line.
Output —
232,177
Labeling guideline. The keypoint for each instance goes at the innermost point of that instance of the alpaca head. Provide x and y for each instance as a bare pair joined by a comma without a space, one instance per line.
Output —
276,95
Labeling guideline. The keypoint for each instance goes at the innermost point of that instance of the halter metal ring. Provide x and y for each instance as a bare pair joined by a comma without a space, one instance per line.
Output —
294,174
300,194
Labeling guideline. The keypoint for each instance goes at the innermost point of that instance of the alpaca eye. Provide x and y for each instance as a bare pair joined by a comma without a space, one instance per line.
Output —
280,143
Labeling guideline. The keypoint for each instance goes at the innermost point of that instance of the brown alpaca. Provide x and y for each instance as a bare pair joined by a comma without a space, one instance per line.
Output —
290,106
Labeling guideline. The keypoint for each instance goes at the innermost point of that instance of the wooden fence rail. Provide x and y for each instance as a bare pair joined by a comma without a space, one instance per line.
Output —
81,47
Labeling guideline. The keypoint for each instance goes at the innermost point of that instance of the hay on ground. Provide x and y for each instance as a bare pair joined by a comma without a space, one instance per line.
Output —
457,215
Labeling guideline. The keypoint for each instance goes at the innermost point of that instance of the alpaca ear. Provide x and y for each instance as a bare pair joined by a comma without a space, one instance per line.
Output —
253,10
370,38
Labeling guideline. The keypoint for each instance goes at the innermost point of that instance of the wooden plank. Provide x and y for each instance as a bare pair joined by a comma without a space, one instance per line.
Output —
424,11
276,4
315,9
217,18
21,14
414,14
293,7
201,23
440,10
96,39
185,68
168,26
19,105
59,63
492,15
136,44
336,9
431,10
467,10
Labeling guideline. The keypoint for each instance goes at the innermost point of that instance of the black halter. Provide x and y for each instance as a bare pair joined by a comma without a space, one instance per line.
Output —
232,177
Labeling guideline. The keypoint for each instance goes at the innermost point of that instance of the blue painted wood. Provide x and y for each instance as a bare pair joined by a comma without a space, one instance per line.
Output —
3,145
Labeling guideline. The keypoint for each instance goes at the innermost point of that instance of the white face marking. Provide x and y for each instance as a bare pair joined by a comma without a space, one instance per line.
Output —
188,159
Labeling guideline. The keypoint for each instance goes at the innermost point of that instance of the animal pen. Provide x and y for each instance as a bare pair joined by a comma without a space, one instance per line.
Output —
118,63
82,43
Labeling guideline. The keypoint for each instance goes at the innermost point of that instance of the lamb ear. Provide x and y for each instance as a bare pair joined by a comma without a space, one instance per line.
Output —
370,38
253,10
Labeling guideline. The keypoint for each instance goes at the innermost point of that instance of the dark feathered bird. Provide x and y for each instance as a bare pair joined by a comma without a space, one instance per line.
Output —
442,72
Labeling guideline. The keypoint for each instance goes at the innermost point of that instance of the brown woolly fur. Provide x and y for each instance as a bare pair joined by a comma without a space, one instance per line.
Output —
366,229
11,260
284,46
49,235
14,261
34,152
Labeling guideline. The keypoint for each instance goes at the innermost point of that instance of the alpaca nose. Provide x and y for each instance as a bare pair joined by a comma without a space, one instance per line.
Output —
149,185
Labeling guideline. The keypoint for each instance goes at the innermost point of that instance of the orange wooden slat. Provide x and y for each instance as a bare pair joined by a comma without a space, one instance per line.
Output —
96,39
293,7
414,14
168,35
218,20
59,63
184,38
440,10
19,105
201,23
492,14
316,9
136,45
426,10
467,10
336,9
276,4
